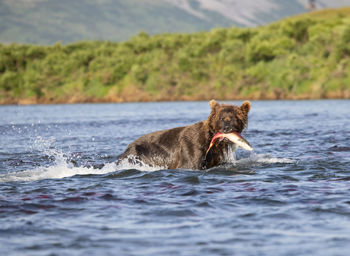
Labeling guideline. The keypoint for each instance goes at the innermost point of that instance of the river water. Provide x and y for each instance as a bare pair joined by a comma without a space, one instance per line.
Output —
61,192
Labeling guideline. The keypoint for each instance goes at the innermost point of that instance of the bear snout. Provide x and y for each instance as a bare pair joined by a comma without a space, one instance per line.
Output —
227,129
229,126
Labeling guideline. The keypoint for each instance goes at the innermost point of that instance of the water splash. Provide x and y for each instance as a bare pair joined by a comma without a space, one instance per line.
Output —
131,162
230,155
57,171
61,167
255,158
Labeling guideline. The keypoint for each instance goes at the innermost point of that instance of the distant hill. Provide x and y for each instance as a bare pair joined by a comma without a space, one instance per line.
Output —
50,21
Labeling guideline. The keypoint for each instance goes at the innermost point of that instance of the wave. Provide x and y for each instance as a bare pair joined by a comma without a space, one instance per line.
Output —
132,163
255,158
60,169
63,168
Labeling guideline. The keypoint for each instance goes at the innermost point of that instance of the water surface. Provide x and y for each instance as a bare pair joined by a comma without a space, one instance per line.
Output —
62,194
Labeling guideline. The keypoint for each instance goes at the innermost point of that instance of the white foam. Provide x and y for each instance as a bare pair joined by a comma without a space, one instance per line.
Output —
62,168
132,163
264,159
56,171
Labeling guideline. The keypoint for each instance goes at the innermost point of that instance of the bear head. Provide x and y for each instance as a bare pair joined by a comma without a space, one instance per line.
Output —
228,118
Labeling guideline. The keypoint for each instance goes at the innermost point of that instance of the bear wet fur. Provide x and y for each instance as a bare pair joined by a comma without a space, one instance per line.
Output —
185,147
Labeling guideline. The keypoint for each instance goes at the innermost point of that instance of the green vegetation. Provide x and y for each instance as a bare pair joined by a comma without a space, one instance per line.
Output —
303,57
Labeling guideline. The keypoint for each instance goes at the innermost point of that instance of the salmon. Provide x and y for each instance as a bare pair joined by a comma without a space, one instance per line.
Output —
234,137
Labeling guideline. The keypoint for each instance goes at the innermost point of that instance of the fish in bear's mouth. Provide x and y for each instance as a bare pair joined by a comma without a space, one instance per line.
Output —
234,137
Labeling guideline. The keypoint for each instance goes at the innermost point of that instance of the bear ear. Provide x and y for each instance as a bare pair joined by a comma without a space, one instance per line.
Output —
213,104
245,106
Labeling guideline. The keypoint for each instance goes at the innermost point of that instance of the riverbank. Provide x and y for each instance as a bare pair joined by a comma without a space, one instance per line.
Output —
302,57
76,100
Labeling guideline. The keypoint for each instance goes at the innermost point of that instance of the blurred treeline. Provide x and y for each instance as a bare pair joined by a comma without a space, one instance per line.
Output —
303,57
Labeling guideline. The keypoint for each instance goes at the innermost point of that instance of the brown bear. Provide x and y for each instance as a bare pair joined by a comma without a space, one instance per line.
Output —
186,147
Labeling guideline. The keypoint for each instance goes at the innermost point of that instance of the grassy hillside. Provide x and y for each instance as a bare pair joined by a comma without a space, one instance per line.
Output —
301,57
